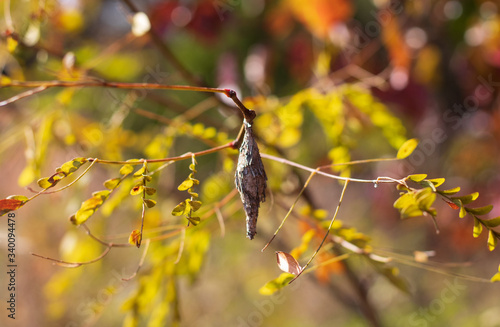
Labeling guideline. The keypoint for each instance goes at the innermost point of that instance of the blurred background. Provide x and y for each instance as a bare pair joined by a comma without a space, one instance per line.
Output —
331,81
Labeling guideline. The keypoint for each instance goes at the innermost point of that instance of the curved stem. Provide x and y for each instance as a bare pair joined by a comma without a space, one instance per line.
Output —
382,179
171,159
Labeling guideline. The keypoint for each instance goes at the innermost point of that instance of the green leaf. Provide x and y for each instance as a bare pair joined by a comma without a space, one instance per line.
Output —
492,223
492,240
407,148
451,191
137,189
480,211
126,169
195,205
417,177
179,209
275,285
437,181
187,184
150,203
150,190
478,228
111,184
194,220
466,199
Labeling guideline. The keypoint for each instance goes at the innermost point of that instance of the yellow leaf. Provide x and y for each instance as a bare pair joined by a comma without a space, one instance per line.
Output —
407,148
492,241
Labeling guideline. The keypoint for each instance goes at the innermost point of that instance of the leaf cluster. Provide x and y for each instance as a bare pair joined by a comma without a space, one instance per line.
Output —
191,204
414,202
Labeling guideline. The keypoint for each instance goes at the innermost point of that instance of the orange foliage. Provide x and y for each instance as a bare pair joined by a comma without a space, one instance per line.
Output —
319,15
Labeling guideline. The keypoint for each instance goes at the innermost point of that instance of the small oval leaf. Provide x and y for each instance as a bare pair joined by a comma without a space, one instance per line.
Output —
466,199
137,189
478,228
480,211
141,171
179,209
276,284
126,169
492,240
71,166
150,190
111,184
451,191
462,212
287,263
194,220
135,238
7,205
437,181
417,177
195,205
407,148
186,185
149,203
82,216
44,183
492,223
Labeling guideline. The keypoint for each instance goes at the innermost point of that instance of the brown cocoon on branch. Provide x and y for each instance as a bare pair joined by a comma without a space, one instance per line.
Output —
250,179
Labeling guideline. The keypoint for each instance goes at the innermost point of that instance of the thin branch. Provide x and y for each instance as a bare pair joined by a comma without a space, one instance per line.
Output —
68,264
357,162
220,219
294,164
248,114
117,85
327,232
181,247
141,262
108,244
23,95
171,159
290,210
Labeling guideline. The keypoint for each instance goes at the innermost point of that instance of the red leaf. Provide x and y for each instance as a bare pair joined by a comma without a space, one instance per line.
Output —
7,205
452,205
287,263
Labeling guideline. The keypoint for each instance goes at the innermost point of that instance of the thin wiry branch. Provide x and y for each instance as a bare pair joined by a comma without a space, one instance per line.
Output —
68,264
23,95
141,262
